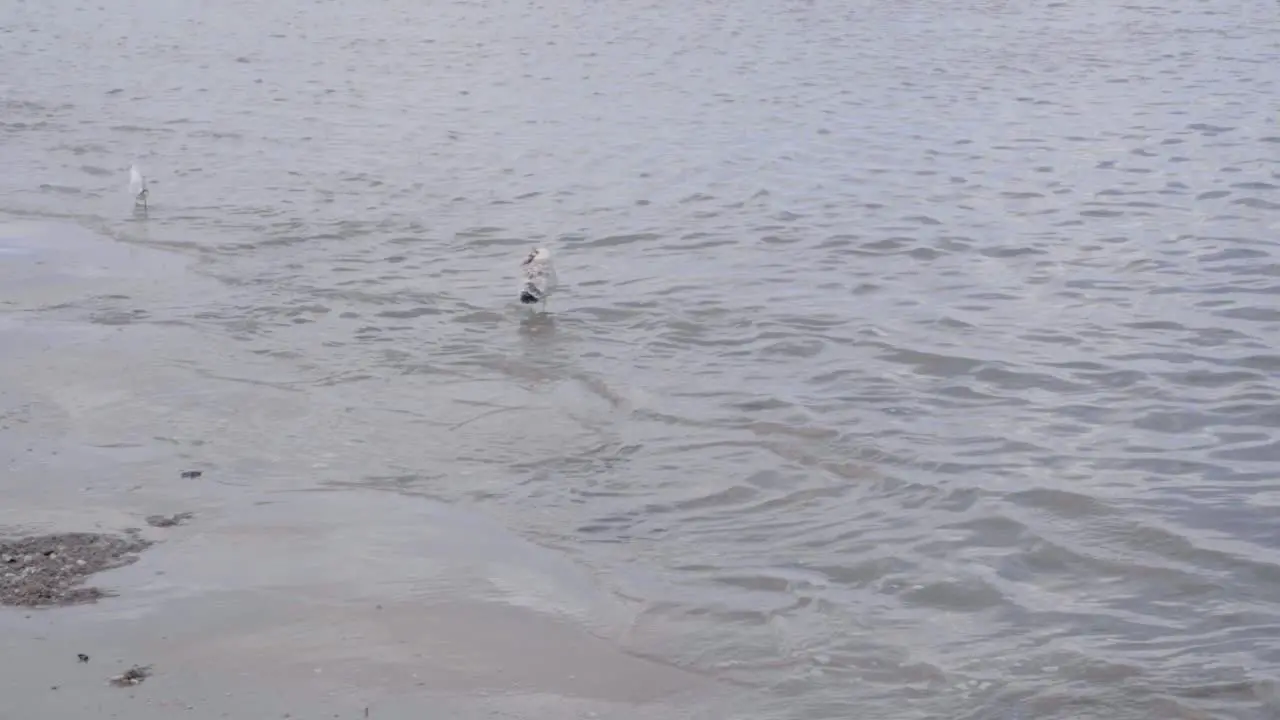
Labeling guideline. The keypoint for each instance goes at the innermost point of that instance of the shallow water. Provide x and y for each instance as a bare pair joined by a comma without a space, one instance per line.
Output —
911,359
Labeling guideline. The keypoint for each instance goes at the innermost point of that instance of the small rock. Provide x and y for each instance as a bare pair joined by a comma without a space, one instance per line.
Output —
82,657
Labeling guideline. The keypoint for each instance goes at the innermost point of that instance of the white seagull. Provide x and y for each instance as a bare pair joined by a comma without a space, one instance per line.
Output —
138,187
539,278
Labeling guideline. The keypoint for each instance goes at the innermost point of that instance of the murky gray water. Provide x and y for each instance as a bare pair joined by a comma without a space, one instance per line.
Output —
912,359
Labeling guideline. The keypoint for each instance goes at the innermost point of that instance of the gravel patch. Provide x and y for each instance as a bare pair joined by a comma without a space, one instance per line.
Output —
49,570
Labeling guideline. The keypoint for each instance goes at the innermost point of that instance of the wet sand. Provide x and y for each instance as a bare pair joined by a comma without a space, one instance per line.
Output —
278,594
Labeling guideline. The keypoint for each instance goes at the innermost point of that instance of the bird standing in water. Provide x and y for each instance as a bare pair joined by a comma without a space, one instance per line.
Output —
138,186
539,277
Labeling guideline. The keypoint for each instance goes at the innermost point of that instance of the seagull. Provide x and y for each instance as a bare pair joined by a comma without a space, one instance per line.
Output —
539,277
138,187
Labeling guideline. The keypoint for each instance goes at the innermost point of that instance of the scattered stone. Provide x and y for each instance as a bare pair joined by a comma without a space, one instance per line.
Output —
191,474
132,676
45,570
168,520
82,657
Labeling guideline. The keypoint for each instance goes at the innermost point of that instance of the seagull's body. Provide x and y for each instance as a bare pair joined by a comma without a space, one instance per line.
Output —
138,186
538,276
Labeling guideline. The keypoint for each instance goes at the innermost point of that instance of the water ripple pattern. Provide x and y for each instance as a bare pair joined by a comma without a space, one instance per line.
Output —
911,359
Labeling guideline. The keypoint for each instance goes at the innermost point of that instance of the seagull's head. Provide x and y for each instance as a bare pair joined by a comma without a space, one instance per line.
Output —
537,255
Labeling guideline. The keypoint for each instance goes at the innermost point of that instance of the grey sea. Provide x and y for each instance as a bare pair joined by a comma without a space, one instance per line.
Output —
911,359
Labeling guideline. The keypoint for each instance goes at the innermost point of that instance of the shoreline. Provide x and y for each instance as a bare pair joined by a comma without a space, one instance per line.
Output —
270,598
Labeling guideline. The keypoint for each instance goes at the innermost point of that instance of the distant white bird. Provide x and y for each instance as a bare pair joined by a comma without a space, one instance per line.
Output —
539,277
138,186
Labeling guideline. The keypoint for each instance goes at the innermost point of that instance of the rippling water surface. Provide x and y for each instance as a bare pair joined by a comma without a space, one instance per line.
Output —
912,359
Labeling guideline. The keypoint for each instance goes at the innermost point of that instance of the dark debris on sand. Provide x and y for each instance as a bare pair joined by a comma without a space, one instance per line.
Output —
43,570
162,521
132,676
